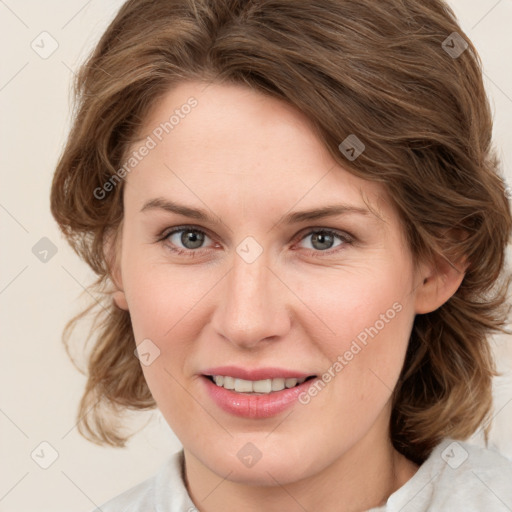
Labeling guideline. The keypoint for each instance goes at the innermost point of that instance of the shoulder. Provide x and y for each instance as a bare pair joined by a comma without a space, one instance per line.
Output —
457,476
165,491
479,478
135,499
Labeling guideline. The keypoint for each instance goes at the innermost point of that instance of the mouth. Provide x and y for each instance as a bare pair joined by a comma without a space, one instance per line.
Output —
255,393
257,387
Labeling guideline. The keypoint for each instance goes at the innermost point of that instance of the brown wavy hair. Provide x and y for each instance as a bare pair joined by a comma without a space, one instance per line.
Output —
380,70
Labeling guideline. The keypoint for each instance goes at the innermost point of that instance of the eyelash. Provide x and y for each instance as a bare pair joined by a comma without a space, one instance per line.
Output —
346,238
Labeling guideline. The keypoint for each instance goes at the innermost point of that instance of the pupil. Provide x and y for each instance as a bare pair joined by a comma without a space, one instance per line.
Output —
196,239
321,238
192,239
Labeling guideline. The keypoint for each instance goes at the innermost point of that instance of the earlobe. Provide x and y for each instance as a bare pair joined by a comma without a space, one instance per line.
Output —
119,300
437,284
118,296
112,251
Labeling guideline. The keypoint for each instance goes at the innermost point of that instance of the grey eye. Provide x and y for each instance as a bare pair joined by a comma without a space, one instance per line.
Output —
189,238
323,240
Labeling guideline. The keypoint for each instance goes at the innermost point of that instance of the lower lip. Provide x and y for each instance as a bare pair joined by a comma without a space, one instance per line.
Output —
255,406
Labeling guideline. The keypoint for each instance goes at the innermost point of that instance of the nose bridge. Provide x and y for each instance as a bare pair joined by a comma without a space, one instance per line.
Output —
251,306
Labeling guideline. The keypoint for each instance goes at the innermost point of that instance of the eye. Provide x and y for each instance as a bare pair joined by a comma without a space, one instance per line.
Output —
185,240
323,240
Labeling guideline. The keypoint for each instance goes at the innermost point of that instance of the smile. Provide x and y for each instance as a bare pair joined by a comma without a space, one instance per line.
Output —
255,393
265,386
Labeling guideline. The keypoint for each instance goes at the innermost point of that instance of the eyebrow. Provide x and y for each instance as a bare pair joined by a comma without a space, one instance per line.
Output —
160,203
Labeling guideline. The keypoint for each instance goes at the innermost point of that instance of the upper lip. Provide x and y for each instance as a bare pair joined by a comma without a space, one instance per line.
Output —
255,373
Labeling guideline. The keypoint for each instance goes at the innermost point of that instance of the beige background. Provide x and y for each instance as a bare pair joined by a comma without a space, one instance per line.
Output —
40,388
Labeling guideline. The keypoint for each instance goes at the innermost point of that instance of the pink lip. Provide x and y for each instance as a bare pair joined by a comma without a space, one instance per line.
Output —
254,406
255,373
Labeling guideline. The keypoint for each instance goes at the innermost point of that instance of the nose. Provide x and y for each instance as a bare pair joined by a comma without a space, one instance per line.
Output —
252,304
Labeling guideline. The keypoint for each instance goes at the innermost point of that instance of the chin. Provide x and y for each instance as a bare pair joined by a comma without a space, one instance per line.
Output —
269,470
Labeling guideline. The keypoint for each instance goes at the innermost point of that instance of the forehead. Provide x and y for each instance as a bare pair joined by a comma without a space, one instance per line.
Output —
232,115
243,145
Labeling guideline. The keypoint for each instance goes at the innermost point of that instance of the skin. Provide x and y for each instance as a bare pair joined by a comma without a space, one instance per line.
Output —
249,160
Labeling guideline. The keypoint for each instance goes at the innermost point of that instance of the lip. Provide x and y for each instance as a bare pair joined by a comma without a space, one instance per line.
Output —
255,373
255,406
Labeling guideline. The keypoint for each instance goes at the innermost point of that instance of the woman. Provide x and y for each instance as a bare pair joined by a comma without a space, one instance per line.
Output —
297,211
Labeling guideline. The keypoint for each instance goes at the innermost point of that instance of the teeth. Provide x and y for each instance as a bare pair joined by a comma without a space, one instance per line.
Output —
243,386
262,386
277,384
289,383
256,386
229,383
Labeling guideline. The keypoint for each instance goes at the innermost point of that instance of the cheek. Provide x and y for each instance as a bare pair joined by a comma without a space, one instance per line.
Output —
363,305
366,319
161,298
335,306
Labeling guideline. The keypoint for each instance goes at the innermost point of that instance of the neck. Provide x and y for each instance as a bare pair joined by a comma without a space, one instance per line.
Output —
362,478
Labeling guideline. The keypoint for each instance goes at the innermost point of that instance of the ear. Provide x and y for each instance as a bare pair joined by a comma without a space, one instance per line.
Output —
438,282
112,252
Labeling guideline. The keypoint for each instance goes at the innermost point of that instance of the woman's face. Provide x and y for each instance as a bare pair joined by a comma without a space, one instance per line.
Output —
261,290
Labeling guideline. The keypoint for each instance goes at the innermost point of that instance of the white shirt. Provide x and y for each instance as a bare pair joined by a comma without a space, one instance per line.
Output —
456,477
